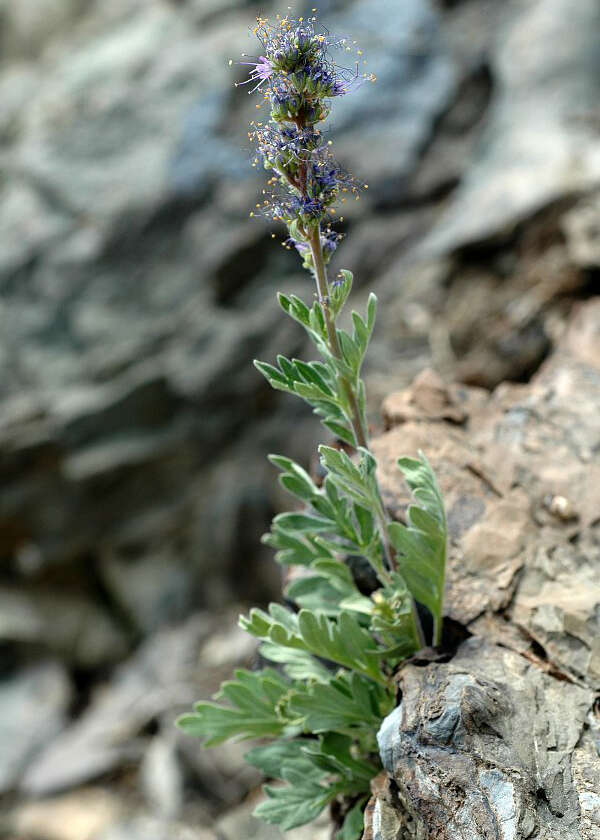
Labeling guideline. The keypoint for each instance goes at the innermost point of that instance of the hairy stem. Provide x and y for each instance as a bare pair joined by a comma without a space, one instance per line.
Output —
356,420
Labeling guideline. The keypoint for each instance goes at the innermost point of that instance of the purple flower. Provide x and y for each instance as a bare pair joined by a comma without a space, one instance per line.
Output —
302,247
299,78
263,70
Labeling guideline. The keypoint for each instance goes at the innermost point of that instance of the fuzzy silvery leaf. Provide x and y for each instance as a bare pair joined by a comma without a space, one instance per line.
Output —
341,640
294,478
421,544
294,548
341,431
340,290
302,522
315,593
271,757
353,826
345,703
391,621
297,664
355,480
295,308
251,710
333,753
296,803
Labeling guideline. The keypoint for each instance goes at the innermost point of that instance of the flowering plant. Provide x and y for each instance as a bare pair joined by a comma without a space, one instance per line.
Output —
339,647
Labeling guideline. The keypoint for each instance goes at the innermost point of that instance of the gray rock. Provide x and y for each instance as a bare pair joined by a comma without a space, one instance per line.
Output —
416,79
33,709
162,778
486,747
71,626
540,140
145,827
76,815
163,678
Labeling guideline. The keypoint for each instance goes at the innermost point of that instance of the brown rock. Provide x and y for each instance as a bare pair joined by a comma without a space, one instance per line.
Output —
501,741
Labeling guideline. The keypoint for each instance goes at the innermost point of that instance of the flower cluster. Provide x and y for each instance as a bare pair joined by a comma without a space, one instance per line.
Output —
297,79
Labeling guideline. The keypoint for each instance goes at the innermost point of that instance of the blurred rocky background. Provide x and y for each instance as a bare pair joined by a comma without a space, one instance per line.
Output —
134,293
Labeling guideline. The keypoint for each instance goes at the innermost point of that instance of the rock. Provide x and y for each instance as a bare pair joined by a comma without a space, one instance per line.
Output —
429,398
29,225
485,746
144,827
495,475
407,46
539,92
490,530
162,679
24,732
581,229
80,815
71,626
161,777
501,740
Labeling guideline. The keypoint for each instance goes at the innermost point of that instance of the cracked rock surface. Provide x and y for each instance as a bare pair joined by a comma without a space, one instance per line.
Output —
502,740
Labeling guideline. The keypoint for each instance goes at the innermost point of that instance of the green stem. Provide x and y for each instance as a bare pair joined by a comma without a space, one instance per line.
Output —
356,421
355,418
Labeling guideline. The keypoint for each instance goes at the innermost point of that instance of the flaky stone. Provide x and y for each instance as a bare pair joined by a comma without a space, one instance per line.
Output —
501,741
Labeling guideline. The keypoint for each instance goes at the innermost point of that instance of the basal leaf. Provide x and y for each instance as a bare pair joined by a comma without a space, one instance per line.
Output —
297,664
252,710
353,826
271,758
294,804
347,702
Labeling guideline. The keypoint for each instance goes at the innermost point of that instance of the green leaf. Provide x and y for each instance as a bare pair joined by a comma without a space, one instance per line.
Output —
421,545
299,549
315,593
312,374
274,377
361,333
343,641
302,522
341,431
333,753
271,757
253,710
313,393
346,702
421,479
294,479
339,292
316,773
392,621
355,480
371,312
297,803
357,603
297,664
350,351
353,826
